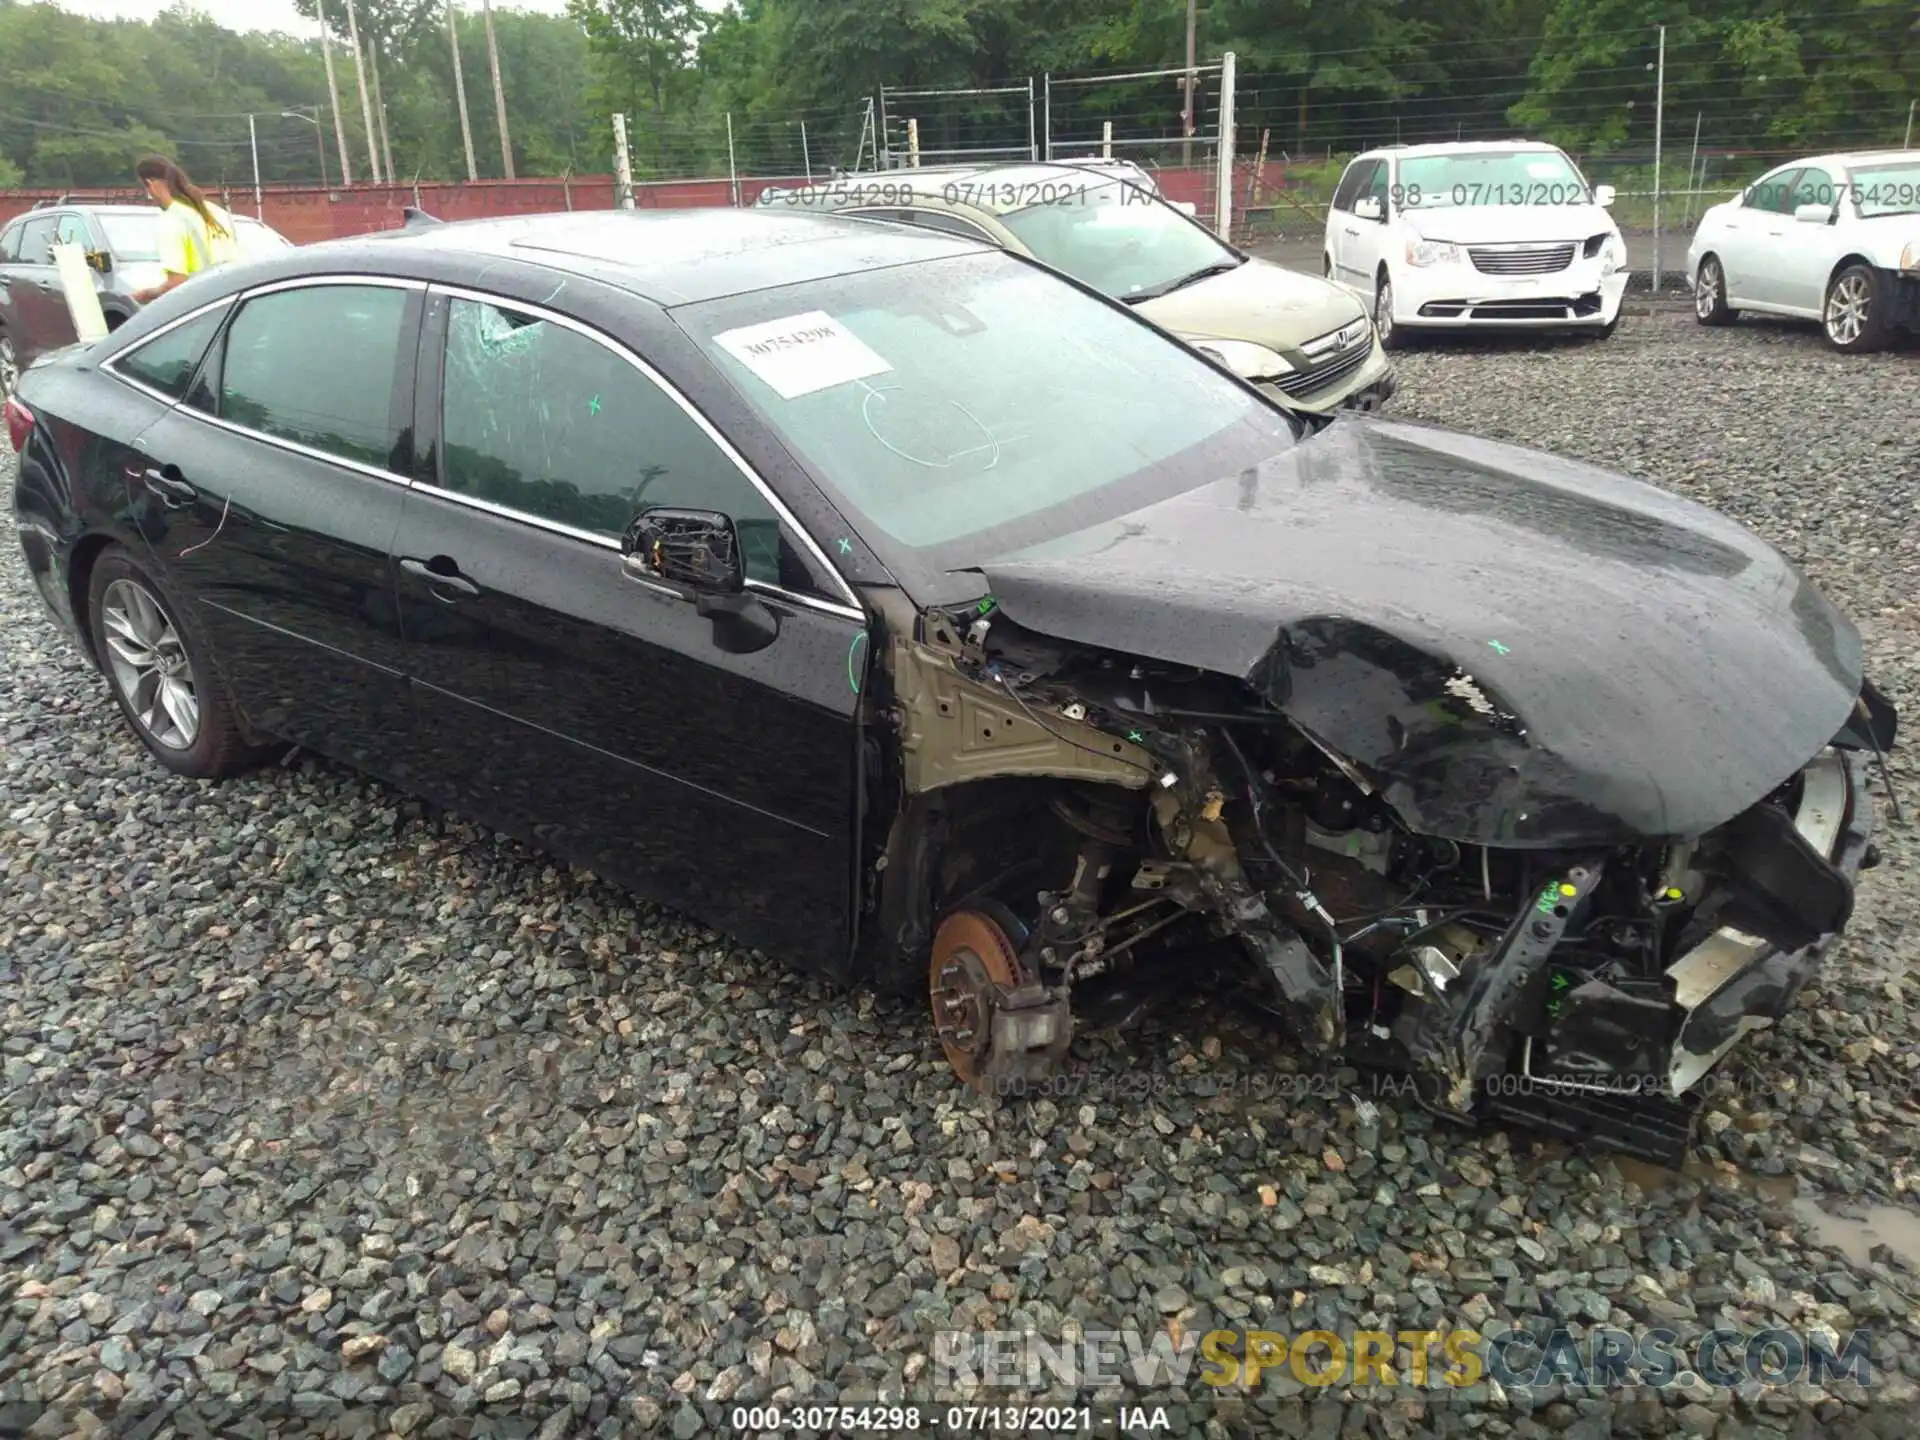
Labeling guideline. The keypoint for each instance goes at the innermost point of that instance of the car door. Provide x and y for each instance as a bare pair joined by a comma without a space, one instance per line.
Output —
1361,240
41,319
1343,228
270,498
572,703
9,321
1801,253
1750,236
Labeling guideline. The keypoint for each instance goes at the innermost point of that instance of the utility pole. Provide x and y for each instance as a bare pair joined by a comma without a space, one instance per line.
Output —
366,103
499,94
622,165
1659,113
1186,114
380,106
460,90
253,140
333,96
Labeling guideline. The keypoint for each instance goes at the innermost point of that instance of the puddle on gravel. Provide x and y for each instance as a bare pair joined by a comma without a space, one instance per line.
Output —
1890,1225
1855,1237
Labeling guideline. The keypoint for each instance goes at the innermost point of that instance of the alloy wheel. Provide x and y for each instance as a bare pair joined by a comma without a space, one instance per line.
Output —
148,661
9,366
1847,307
1706,290
1383,310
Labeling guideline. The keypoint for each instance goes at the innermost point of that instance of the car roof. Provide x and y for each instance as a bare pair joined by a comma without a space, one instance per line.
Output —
1873,157
673,257
1462,147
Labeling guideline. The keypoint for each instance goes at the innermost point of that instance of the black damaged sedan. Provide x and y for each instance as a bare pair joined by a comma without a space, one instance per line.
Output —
904,608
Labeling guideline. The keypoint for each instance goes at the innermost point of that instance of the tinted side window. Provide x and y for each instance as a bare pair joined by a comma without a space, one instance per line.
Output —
1377,184
167,363
319,367
1775,193
72,230
36,241
544,420
10,243
1815,187
1349,188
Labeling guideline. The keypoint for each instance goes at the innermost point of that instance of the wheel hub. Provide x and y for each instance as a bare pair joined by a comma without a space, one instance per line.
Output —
997,1023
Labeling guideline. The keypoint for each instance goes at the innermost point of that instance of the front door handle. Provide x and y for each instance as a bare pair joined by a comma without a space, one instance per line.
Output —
1353,232
442,575
168,486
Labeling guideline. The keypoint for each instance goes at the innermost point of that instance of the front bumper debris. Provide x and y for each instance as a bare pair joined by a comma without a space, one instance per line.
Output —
1600,1064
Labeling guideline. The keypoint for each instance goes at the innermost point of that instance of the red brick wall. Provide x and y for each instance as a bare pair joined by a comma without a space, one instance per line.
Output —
306,214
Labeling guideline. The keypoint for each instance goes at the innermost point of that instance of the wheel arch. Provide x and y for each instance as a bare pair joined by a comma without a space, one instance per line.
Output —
86,554
1846,262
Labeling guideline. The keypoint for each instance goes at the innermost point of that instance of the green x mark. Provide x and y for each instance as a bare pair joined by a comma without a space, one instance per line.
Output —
1497,647
593,406
846,546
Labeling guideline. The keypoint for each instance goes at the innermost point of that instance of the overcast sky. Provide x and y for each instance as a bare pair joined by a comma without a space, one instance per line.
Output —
262,14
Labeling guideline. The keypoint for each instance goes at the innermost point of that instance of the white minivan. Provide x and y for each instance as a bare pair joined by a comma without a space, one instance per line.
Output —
1489,234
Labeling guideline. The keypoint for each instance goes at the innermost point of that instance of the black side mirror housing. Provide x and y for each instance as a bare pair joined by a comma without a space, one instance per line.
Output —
697,553
101,261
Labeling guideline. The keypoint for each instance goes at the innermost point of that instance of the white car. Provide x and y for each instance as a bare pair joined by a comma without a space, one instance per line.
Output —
1500,234
1834,239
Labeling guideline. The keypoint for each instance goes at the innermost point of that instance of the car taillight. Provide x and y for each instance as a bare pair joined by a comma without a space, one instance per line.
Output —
19,424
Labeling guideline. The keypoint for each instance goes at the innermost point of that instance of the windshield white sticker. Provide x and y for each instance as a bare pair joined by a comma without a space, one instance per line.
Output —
802,353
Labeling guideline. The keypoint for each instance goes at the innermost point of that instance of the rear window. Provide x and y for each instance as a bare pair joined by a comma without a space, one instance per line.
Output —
166,363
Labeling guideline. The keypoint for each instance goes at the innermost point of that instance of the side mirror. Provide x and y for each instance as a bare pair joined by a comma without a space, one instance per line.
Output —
696,554
692,550
101,261
1603,195
1368,208
1813,214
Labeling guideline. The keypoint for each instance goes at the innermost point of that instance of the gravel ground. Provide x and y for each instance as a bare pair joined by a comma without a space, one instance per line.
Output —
317,1119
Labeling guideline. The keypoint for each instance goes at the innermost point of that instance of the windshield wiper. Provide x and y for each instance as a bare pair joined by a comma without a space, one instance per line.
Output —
1219,267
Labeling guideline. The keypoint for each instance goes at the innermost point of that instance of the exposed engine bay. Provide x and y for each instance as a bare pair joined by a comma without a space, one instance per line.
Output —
1068,818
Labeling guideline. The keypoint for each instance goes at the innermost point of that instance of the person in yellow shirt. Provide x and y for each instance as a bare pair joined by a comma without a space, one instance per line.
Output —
194,232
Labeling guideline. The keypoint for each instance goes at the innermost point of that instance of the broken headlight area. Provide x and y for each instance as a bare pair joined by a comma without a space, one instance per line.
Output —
1160,813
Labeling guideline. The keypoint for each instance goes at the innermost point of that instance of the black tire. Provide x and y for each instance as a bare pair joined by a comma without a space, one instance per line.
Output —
1710,294
1853,315
216,747
9,364
1326,266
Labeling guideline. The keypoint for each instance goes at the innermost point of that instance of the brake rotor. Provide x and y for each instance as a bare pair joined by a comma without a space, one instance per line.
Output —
973,959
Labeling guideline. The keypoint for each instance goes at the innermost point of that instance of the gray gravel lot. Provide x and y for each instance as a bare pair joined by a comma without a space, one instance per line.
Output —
315,1119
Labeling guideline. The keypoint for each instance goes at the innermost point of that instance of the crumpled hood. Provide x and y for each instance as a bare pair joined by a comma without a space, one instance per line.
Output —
1258,301
1514,648
1491,224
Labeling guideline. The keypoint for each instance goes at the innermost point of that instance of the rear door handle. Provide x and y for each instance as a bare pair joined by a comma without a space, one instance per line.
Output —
167,485
447,579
